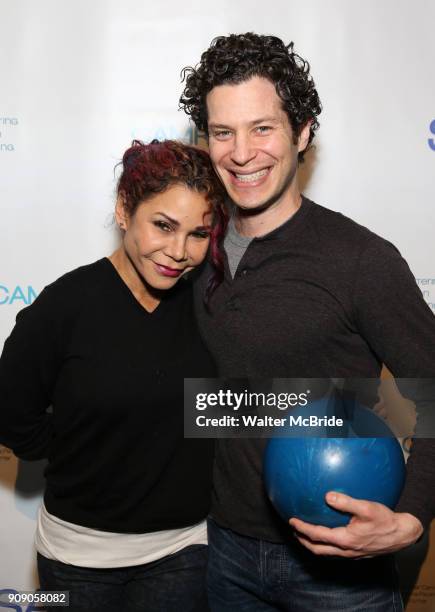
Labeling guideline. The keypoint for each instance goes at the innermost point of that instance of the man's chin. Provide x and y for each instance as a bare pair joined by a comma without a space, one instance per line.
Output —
254,208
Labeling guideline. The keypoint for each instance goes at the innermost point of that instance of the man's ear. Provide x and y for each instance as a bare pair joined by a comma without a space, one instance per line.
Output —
304,136
121,215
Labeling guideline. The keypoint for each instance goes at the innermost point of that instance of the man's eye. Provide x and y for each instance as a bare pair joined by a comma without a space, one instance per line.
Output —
263,129
222,134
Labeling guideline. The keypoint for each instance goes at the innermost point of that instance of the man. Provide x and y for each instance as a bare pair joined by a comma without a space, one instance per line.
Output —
306,292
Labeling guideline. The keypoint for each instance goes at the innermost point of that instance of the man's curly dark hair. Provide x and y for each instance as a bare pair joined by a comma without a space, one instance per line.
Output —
237,58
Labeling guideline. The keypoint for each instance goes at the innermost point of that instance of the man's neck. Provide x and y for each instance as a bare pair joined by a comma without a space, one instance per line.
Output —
257,225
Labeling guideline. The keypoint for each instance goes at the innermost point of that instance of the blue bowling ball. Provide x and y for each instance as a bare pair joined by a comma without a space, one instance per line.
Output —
298,471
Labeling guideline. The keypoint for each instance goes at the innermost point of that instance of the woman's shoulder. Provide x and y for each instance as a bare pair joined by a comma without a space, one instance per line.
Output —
70,290
81,277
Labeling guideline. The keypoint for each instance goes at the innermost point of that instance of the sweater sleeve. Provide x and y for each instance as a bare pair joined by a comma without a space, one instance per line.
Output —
399,326
28,370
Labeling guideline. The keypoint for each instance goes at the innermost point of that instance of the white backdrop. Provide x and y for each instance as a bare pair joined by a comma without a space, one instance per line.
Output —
80,79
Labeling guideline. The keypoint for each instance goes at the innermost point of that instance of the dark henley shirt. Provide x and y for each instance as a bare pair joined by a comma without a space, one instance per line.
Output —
320,296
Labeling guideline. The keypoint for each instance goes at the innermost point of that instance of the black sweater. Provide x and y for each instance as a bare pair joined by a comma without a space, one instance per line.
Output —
318,297
113,374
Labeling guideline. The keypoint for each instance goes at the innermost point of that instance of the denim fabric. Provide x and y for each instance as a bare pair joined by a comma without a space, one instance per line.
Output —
174,583
246,574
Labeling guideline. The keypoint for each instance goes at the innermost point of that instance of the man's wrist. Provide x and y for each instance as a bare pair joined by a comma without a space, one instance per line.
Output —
410,527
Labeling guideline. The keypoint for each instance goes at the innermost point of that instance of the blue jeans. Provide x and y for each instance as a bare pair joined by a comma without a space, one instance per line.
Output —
172,584
246,574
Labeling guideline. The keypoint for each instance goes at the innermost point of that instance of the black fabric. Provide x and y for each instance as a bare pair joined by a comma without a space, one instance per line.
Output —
113,374
320,296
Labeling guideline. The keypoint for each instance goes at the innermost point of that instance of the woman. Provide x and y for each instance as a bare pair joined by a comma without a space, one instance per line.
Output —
107,345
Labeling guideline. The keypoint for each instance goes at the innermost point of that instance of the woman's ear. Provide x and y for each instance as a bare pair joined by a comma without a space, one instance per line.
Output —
121,214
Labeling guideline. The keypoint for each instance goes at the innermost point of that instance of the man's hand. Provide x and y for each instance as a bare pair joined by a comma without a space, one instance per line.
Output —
373,530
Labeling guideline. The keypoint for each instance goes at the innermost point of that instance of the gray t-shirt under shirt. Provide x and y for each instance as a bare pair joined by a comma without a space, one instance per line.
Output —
235,246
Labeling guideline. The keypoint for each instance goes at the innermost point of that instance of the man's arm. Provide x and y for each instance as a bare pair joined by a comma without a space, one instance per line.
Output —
392,316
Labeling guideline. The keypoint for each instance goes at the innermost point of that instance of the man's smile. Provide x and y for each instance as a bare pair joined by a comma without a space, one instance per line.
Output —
249,179
252,176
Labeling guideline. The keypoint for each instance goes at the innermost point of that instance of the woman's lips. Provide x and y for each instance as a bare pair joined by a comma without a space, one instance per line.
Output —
171,272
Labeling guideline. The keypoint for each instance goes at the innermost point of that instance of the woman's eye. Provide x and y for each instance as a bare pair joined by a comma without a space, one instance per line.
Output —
201,235
163,226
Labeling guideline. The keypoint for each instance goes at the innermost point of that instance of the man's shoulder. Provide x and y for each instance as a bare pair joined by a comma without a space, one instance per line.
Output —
333,220
341,232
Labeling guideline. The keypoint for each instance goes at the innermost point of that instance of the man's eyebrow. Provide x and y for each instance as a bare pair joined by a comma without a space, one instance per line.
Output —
268,119
223,126
219,125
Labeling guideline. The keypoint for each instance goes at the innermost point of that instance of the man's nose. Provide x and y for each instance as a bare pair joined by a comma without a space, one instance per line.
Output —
243,151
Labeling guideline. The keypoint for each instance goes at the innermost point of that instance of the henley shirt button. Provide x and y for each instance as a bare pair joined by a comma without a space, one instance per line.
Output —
233,304
244,272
